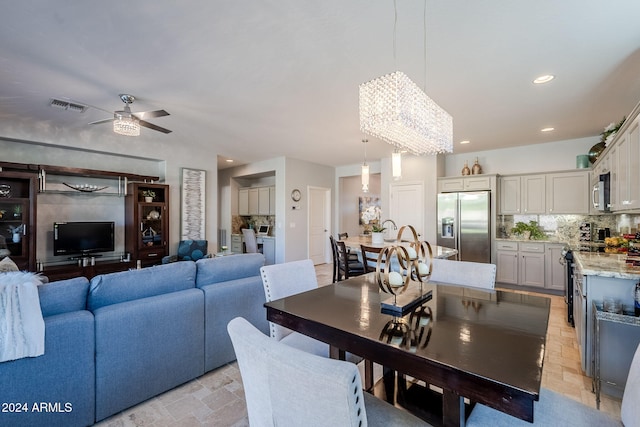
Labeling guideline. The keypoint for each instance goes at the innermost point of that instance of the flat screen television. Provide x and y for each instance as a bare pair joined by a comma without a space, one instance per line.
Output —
82,238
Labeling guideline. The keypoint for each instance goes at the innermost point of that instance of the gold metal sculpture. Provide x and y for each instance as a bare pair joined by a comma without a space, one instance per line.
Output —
414,264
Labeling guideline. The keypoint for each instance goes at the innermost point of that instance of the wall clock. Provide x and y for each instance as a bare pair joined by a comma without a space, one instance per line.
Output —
296,195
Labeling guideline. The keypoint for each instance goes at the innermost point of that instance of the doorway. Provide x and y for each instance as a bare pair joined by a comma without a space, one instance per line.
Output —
406,206
319,224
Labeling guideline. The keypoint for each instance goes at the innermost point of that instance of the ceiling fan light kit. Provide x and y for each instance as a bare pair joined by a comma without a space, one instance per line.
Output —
128,124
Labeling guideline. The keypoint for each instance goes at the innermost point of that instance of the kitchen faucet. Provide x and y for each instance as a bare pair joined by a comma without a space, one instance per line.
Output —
395,227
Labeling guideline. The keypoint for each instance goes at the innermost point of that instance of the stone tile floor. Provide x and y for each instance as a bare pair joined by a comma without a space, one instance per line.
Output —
217,398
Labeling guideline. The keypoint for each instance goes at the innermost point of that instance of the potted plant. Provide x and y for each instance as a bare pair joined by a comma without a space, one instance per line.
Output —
528,231
148,195
377,234
17,212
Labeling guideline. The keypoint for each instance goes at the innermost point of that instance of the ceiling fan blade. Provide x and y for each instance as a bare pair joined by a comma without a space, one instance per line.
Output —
97,122
150,114
154,127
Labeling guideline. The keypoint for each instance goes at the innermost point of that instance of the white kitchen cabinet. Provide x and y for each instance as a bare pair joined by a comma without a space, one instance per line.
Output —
268,249
254,200
509,187
520,263
533,190
568,193
243,201
555,274
507,262
466,183
612,158
236,243
272,200
257,201
523,194
531,264
628,168
263,201
552,193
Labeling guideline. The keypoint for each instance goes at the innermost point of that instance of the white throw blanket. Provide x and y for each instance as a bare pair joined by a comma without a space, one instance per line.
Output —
21,322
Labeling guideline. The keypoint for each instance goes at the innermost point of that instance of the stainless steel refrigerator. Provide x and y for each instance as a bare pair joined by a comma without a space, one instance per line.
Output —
464,223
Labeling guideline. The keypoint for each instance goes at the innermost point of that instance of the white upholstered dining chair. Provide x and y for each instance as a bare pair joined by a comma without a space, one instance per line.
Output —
464,273
554,409
286,279
285,387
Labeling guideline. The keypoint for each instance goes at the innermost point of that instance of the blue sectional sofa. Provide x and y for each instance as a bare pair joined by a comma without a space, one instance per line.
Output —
125,337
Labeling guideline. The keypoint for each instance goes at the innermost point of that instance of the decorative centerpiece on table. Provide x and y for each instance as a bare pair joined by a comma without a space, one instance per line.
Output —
377,234
401,270
370,217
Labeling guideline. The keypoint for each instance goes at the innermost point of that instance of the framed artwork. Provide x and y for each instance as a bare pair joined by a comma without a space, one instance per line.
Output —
192,204
369,210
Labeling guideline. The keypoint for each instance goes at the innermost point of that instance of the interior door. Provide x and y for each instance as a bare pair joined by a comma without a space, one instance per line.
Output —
319,224
406,206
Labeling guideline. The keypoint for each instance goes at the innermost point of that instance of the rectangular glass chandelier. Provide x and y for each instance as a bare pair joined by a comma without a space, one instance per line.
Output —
394,109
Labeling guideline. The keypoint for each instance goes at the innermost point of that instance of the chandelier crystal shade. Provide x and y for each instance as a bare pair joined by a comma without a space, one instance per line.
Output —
394,109
127,126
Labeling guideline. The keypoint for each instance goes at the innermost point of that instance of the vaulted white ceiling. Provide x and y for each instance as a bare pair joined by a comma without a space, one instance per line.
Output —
254,80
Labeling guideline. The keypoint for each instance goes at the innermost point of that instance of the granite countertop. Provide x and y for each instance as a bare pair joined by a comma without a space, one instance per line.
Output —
606,265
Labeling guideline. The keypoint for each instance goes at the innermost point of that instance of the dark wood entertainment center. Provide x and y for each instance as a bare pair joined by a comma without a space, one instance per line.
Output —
146,225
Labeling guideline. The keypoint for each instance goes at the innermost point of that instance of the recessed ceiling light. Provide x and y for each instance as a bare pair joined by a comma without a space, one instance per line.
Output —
544,79
549,129
466,141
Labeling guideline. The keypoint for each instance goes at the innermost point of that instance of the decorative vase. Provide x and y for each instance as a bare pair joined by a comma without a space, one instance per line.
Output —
16,237
594,152
476,169
465,169
148,199
377,238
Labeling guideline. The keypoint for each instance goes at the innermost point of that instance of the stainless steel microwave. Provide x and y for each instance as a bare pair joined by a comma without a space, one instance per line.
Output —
600,194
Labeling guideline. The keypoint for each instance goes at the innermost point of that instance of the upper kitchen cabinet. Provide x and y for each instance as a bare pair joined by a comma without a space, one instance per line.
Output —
257,201
254,200
553,193
509,187
628,171
568,193
243,201
467,183
533,194
263,201
522,194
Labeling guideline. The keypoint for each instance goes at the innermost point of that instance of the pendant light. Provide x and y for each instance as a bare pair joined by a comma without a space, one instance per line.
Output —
365,169
396,164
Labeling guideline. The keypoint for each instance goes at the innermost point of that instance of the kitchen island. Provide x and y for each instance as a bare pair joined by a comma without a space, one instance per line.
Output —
354,243
598,276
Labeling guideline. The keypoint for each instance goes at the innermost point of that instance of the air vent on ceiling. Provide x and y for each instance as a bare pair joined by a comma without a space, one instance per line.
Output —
66,105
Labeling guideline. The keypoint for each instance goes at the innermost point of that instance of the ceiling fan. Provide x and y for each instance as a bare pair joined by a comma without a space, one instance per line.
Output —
127,123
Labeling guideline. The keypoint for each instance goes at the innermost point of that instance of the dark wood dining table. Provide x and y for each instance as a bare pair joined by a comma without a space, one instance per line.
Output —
484,345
